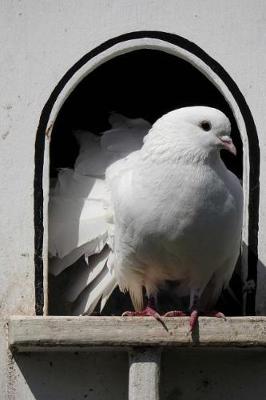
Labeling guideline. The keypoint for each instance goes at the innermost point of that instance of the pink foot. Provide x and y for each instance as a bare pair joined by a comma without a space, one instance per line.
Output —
194,316
216,314
147,312
176,313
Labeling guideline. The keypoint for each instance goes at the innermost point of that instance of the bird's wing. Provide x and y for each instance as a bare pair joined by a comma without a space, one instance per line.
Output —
80,212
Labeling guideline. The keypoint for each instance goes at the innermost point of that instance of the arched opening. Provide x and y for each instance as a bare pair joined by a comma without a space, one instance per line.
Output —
142,83
145,82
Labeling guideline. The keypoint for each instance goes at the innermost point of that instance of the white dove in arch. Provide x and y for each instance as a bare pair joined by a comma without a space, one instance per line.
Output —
145,213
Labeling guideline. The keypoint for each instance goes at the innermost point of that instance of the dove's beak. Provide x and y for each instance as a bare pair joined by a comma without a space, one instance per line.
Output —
228,144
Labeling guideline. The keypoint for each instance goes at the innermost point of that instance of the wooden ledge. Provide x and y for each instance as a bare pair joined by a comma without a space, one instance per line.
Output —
68,333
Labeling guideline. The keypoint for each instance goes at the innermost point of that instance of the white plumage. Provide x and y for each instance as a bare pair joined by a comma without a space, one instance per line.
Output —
168,210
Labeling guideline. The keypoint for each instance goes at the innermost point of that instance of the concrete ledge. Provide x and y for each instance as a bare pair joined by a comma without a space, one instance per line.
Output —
68,333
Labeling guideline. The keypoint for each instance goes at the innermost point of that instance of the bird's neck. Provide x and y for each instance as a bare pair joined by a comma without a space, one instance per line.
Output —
161,151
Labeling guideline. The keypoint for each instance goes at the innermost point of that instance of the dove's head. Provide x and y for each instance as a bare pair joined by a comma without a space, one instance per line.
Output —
196,130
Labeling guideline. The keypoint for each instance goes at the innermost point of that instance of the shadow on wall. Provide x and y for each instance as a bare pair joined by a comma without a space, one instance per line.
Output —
213,374
72,376
186,374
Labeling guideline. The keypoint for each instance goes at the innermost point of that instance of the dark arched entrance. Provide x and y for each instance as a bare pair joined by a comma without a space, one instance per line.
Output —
155,75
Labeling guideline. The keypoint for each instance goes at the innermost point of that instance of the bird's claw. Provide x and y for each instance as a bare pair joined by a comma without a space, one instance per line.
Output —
147,312
194,316
216,314
175,313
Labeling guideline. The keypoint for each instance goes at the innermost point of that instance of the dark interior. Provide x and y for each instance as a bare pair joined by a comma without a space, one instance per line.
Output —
147,84
143,83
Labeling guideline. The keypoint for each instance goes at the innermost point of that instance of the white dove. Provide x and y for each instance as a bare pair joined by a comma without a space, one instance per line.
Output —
175,214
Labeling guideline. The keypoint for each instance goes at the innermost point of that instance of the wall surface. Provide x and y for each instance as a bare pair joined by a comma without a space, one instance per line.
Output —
212,374
40,41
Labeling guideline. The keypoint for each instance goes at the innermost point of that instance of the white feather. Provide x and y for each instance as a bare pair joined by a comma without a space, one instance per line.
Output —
85,275
103,285
57,265
81,216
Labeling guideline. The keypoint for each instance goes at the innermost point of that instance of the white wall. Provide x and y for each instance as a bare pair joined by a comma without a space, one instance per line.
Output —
39,42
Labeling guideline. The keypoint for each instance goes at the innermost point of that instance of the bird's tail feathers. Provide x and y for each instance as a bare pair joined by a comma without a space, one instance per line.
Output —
57,265
99,289
84,274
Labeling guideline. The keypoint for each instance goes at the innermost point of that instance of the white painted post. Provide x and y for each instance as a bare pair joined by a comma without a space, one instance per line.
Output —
144,374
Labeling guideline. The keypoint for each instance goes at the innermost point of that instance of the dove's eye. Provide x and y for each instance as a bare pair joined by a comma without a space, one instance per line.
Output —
205,125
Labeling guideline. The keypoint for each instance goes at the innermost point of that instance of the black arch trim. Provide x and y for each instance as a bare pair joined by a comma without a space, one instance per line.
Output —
254,154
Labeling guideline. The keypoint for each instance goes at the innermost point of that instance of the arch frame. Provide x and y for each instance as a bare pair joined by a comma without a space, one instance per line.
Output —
193,54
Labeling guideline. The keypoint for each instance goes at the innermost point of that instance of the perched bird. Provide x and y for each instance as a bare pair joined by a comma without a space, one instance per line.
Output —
169,210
